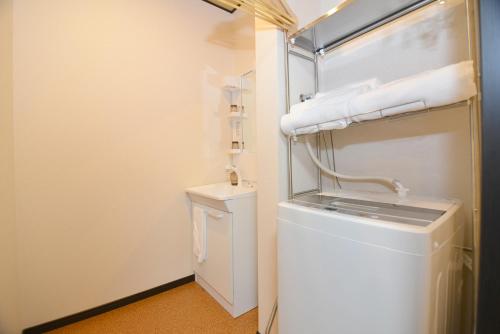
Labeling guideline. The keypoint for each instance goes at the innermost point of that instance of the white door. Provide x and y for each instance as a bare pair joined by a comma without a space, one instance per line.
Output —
217,269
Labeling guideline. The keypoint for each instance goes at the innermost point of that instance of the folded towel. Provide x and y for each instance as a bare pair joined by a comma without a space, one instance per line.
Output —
199,234
323,107
368,100
446,85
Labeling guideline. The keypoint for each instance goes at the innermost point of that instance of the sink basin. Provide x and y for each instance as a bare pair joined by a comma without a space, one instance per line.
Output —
222,191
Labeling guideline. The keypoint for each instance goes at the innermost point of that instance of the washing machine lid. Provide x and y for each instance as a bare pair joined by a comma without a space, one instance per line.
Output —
370,209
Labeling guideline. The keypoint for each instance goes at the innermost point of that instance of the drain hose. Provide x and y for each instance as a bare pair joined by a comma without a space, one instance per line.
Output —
395,184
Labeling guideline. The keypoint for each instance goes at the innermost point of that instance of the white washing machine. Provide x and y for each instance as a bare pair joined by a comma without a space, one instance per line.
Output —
366,264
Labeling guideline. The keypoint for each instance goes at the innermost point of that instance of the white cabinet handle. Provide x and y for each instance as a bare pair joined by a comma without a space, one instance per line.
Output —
215,215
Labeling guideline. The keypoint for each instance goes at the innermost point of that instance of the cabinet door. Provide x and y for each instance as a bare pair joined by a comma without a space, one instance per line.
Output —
217,269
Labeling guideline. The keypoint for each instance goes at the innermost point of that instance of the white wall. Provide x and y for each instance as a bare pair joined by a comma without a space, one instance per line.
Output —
8,271
243,32
117,109
271,157
272,144
308,11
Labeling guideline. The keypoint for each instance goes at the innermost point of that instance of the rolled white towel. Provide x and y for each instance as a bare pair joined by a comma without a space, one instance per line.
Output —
324,108
434,88
368,100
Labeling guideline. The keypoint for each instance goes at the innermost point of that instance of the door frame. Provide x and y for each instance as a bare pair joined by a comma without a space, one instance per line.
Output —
488,308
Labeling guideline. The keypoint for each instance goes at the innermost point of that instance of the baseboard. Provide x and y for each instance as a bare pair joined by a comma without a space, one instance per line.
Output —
58,323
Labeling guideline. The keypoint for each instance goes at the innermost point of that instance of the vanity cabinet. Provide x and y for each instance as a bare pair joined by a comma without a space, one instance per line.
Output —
229,272
217,269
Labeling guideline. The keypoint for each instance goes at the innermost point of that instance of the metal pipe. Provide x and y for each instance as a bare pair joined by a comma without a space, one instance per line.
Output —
300,55
270,321
397,116
475,134
287,106
264,11
333,159
318,139
300,49
329,48
312,191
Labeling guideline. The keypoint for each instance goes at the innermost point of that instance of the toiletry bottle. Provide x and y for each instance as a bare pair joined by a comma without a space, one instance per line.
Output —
234,178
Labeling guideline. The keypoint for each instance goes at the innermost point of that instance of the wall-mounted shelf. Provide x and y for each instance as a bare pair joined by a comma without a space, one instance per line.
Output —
231,89
237,115
234,151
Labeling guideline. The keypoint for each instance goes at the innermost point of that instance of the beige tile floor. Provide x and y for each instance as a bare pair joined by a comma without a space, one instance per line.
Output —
186,309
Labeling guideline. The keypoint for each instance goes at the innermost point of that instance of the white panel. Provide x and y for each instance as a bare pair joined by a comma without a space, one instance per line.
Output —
244,254
307,10
302,82
271,155
336,283
429,38
429,153
336,269
217,269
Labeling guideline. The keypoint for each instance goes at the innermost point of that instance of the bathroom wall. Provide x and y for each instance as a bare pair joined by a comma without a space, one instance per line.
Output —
239,35
8,275
307,11
271,157
243,32
272,144
117,109
272,152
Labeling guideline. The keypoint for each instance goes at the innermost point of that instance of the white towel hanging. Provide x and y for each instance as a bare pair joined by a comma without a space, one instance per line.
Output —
369,100
199,233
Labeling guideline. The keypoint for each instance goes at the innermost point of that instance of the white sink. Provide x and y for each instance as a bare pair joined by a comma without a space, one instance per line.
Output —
222,191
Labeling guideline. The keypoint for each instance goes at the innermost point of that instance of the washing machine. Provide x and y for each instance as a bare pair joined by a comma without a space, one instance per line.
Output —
352,263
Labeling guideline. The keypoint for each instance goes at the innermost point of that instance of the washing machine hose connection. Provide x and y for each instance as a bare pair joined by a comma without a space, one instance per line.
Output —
395,184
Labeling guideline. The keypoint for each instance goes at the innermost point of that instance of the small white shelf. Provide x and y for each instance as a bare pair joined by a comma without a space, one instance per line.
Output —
234,89
231,89
237,115
235,151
